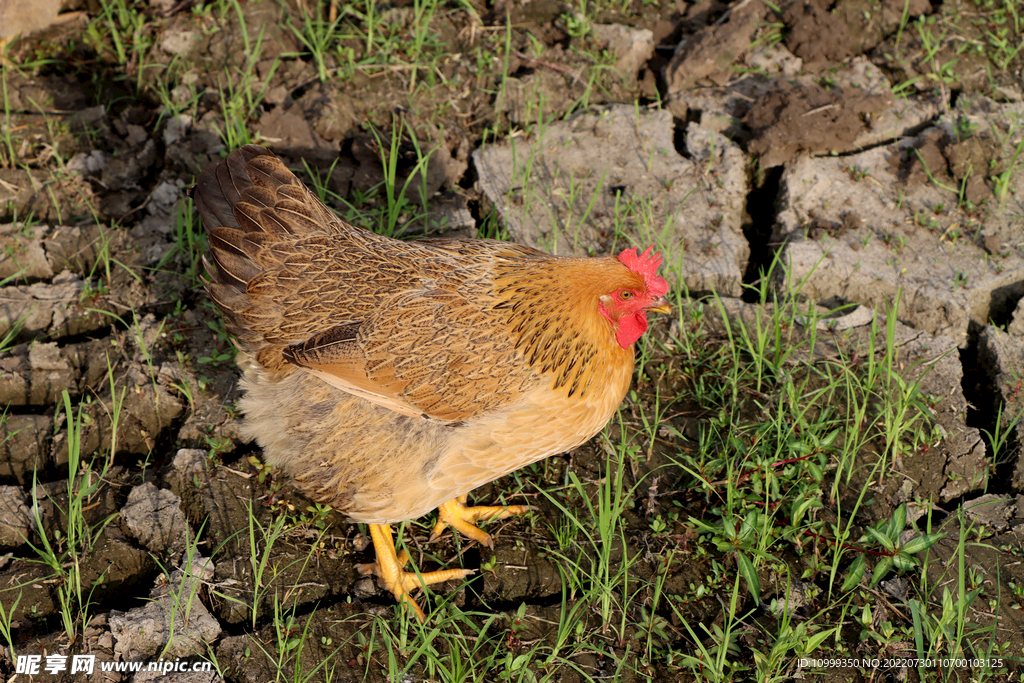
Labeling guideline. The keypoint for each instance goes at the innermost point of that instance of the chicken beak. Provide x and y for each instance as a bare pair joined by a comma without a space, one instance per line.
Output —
660,305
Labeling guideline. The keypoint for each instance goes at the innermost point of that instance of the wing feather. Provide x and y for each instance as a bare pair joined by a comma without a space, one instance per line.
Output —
422,353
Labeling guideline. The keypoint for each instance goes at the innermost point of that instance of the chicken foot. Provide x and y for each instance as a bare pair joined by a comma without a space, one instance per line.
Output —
463,519
389,569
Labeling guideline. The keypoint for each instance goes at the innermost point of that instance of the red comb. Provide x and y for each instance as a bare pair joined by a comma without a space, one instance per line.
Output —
646,265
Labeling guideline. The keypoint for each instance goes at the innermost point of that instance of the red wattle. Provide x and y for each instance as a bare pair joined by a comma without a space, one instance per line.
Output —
631,328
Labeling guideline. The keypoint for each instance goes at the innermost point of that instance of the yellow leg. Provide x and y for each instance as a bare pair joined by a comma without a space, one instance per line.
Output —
389,564
463,519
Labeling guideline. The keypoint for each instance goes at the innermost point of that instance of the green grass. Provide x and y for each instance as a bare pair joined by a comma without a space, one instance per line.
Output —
946,46
64,551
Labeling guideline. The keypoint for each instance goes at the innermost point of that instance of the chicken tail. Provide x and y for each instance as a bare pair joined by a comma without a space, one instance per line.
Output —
247,201
255,212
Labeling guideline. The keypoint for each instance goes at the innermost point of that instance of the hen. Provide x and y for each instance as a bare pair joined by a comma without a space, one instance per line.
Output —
390,378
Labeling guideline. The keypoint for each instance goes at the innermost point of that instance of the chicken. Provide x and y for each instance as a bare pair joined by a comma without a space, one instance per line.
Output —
389,378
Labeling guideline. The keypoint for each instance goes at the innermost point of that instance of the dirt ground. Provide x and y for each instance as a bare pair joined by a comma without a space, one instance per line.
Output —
873,146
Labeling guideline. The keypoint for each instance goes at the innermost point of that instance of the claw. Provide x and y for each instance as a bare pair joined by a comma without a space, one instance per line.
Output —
463,519
389,570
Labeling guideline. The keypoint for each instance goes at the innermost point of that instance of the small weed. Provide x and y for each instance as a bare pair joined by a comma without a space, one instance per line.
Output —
856,173
65,552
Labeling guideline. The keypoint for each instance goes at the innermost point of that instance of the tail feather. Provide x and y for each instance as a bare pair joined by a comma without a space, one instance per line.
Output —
298,218
235,266
266,170
282,265
222,185
254,219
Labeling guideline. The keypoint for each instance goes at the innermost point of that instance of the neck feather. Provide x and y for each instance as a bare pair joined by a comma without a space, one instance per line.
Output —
552,310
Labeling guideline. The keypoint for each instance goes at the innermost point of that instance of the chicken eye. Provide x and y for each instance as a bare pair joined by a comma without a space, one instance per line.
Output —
625,295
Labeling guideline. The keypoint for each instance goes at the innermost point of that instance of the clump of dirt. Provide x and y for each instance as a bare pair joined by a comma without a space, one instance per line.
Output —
820,226
795,119
967,164
709,55
815,35
869,22
825,34
972,162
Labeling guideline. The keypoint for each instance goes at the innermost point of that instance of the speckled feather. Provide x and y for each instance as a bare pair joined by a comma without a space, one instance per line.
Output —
388,377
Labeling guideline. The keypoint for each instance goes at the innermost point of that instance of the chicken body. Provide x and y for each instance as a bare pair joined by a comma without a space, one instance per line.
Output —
389,377
379,466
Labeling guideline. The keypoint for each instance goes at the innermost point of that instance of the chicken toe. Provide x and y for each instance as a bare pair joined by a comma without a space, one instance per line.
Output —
389,569
463,519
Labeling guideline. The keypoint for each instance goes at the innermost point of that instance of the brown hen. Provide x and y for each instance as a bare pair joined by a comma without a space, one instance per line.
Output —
390,378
